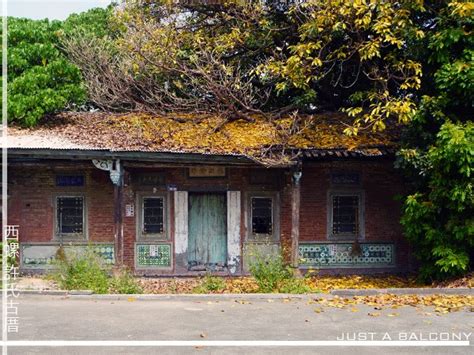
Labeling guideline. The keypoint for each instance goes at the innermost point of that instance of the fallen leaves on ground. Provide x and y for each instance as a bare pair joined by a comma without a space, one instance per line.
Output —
240,285
328,283
169,285
466,281
247,284
442,303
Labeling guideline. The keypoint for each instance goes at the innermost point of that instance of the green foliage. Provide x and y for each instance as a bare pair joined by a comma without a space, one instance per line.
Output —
269,271
438,151
440,221
295,286
124,283
41,80
81,270
352,47
95,22
273,275
210,284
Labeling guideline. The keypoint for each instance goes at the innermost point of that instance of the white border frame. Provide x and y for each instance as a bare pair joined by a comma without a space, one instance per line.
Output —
4,170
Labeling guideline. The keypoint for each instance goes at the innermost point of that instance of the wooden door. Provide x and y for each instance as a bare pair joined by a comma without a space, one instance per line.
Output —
207,243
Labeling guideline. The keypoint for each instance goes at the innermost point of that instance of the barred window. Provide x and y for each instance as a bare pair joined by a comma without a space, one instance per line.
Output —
262,215
70,215
153,215
345,215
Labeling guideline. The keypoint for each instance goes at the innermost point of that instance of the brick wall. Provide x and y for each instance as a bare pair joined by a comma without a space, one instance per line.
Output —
237,179
379,183
31,201
32,189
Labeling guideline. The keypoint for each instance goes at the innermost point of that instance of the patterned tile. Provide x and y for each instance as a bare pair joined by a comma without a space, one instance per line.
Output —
340,254
42,256
153,255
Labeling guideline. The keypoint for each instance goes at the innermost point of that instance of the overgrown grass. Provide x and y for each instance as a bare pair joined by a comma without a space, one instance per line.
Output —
124,283
80,269
210,284
273,275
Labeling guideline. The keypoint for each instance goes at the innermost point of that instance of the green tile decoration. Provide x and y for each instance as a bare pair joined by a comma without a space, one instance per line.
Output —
329,255
153,255
42,256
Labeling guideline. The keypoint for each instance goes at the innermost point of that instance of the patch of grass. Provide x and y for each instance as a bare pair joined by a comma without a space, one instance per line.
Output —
124,283
270,272
81,270
210,284
294,285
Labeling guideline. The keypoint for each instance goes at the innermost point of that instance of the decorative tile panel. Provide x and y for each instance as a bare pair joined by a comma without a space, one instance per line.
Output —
328,255
34,256
153,255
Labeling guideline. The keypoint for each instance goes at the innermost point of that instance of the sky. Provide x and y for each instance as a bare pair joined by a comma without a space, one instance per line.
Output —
52,9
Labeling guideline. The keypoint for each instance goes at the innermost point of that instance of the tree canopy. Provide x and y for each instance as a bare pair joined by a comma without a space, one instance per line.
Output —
438,147
238,59
41,79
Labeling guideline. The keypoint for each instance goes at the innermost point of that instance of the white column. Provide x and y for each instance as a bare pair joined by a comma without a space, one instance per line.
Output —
233,230
180,222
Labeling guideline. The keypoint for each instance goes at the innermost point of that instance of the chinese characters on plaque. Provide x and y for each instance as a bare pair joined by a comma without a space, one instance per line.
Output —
207,171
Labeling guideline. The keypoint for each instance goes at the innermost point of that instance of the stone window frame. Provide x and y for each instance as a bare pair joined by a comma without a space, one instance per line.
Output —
275,236
142,237
346,192
71,237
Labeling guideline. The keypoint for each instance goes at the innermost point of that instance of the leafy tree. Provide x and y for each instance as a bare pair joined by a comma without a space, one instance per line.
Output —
241,59
438,152
41,79
352,55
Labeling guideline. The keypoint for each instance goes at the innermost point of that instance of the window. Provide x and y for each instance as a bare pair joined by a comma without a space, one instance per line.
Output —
70,215
345,215
262,215
153,215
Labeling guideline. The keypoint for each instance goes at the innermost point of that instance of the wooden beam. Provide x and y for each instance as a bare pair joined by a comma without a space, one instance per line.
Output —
118,217
295,216
118,225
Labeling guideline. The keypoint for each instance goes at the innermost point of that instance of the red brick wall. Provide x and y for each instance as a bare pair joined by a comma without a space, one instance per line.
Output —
379,182
31,201
32,188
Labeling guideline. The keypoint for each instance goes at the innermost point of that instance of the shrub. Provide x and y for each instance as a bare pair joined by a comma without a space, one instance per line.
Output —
81,270
439,220
210,284
124,283
270,272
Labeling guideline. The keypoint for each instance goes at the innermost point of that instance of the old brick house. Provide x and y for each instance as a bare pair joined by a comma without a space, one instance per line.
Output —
165,199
